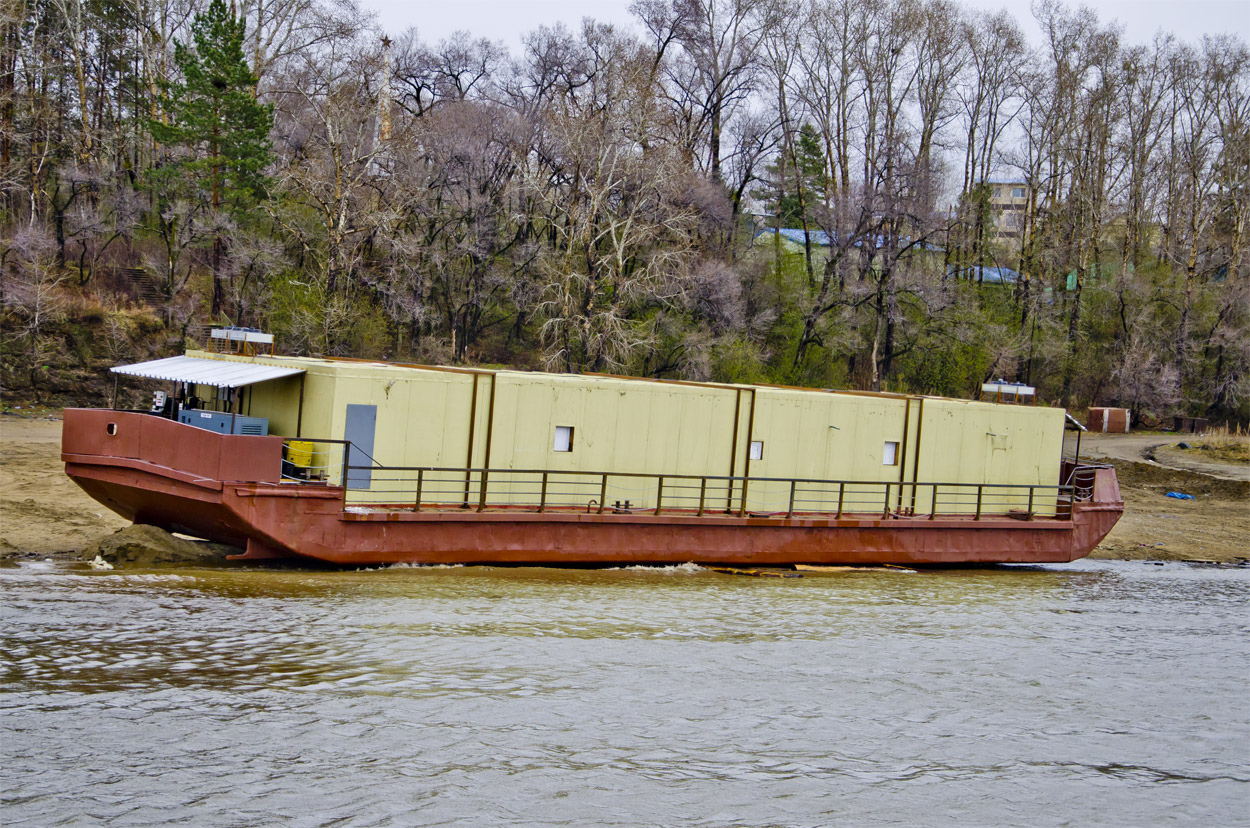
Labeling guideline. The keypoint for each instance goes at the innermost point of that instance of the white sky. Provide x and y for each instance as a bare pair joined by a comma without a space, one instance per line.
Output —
507,20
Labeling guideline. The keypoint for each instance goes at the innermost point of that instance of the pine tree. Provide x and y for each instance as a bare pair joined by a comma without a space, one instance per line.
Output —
214,113
811,165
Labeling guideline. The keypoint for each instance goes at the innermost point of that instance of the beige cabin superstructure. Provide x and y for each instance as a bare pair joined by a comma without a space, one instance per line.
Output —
431,417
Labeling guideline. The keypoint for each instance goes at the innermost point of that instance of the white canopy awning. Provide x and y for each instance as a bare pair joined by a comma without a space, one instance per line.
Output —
216,372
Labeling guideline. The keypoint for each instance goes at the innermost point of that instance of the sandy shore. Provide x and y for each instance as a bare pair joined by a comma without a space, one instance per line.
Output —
1213,526
43,514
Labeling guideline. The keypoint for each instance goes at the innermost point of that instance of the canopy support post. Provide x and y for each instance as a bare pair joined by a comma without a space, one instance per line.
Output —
299,420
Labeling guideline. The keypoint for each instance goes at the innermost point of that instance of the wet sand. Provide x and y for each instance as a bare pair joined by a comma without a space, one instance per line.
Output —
43,514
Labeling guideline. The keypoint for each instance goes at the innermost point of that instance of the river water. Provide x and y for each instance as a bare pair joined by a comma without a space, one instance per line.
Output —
1095,693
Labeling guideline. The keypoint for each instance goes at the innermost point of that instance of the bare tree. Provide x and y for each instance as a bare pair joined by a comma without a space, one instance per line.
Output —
780,59
1232,113
1084,98
716,70
989,104
458,69
620,236
1194,168
464,207
1147,87
328,151
281,29
1145,382
940,57
36,296
830,81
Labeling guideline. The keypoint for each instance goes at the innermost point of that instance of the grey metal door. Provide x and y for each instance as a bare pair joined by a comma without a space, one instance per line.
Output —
361,422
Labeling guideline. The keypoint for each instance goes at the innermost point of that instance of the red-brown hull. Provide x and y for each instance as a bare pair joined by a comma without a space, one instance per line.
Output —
271,519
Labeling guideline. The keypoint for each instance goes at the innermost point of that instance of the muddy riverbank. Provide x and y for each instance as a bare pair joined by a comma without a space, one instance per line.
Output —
43,514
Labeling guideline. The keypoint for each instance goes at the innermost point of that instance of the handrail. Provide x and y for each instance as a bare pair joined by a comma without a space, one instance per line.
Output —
544,490
391,488
668,476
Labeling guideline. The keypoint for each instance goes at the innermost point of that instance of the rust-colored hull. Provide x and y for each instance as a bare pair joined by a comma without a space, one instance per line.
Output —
221,488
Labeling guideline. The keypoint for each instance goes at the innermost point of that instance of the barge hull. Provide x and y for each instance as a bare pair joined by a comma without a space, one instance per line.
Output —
225,488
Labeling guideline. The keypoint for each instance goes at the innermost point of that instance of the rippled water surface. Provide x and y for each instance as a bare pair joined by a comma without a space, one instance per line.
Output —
1097,693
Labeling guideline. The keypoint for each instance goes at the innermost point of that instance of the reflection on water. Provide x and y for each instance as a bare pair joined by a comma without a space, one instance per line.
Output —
1095,693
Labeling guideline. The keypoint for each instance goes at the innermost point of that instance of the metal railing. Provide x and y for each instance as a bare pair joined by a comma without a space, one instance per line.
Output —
414,488
1081,478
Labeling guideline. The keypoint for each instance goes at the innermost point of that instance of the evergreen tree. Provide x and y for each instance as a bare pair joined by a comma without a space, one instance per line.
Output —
809,159
214,113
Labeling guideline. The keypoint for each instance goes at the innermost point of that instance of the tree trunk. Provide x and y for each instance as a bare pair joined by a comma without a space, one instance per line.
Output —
219,298
714,140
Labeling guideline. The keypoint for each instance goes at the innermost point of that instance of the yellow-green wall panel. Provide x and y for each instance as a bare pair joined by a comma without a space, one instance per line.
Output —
425,417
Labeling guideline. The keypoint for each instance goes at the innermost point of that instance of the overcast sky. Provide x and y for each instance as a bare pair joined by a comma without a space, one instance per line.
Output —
507,20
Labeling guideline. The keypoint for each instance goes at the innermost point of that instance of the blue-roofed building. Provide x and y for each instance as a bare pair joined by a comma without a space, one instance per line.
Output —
793,235
987,275
792,239
996,275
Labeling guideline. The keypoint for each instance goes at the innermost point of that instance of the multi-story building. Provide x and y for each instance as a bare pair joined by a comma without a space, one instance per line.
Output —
1008,200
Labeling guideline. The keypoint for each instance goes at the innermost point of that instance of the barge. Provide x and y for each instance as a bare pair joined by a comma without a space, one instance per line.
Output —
353,462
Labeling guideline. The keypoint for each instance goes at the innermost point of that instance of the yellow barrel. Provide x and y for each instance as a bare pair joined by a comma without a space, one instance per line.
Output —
300,452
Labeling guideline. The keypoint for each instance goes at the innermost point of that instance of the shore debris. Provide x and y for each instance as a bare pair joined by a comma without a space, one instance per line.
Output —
756,573
879,568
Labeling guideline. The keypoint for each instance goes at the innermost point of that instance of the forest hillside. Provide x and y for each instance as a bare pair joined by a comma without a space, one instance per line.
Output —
878,194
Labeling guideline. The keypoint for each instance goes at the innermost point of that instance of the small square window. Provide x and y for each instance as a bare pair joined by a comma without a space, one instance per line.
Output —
757,449
564,439
1017,192
890,456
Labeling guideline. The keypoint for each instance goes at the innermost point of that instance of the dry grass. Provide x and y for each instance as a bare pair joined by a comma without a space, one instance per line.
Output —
1225,443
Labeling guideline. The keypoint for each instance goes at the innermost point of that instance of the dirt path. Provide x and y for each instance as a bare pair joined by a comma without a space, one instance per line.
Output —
1213,526
1156,448
42,512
